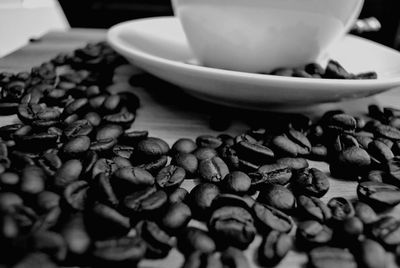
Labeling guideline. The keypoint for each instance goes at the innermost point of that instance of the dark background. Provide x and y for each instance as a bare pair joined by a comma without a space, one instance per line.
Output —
105,13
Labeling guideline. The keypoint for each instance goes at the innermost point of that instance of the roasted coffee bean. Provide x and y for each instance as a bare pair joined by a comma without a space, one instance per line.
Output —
387,231
233,224
93,118
46,201
318,152
75,194
158,242
51,243
339,123
156,165
104,165
313,208
78,128
97,101
234,258
282,145
236,182
129,179
293,163
117,251
109,131
378,195
75,234
343,142
351,229
176,217
132,137
32,180
223,200
208,141
78,106
277,196
330,257
76,147
371,254
387,132
186,161
152,147
311,181
204,153
351,163
200,260
103,146
313,234
103,191
392,167
201,198
67,173
71,119
123,151
9,180
178,196
9,201
145,203
123,118
7,130
271,174
274,248
170,177
375,176
213,169
365,213
193,239
183,145
341,209
35,259
254,152
380,151
111,103
104,222
268,218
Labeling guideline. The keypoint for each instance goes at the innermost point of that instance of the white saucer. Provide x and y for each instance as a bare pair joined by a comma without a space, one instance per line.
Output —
159,46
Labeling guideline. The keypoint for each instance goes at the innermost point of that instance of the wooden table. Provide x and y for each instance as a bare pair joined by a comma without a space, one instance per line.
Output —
170,114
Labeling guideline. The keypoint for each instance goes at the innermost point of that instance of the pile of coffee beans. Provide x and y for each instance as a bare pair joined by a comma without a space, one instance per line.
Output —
78,187
333,70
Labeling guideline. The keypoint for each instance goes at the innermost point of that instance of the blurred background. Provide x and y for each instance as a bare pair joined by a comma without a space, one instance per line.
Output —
32,18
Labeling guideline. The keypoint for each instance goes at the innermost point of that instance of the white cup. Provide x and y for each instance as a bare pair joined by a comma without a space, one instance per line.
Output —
262,35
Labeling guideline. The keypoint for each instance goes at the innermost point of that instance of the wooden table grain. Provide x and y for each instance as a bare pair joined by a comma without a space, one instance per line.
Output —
169,113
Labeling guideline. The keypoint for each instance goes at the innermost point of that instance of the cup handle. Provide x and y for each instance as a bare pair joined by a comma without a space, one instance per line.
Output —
349,24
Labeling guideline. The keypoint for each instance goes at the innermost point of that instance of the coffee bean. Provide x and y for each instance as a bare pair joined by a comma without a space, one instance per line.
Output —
46,201
205,153
380,151
213,169
183,145
379,195
233,224
124,250
192,239
223,200
341,123
234,258
371,254
313,208
76,146
237,182
312,234
254,152
311,181
271,174
132,137
75,234
186,161
32,180
365,213
199,260
278,197
67,173
176,217
392,167
129,179
201,198
330,257
145,203
268,218
274,248
78,128
387,231
374,175
293,163
170,177
51,243
103,146
208,141
387,132
35,260
152,147
75,194
93,118
178,196
341,209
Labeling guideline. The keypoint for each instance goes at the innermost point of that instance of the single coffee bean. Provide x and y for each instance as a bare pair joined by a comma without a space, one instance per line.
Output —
313,208
145,203
78,106
282,146
268,218
158,242
75,234
254,152
311,181
201,198
46,201
340,123
341,209
330,257
205,153
237,182
379,195
128,179
223,200
293,163
156,165
274,248
365,213
234,258
124,250
271,174
213,169
233,224
124,118
152,147
392,167
176,217
277,196
132,137
49,242
187,161
32,180
380,151
374,175
387,231
183,145
102,191
318,152
75,195
387,132
178,196
371,254
170,177
312,234
93,118
109,131
67,173
76,146
78,128
343,142
103,165
351,163
208,141
193,239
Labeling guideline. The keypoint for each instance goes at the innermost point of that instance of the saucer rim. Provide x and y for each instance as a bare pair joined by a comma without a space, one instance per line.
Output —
115,41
